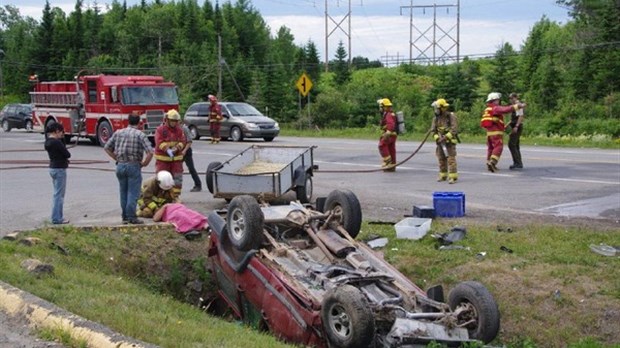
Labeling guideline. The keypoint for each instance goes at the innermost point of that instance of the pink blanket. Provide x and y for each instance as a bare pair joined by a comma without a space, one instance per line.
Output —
183,218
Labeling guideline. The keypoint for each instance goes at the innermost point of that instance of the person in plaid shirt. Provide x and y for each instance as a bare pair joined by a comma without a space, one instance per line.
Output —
128,147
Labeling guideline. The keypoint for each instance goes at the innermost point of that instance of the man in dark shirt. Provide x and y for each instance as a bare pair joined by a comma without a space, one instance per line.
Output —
127,147
59,162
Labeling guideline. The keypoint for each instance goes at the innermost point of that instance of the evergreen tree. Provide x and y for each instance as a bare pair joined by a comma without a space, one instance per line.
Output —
505,70
341,66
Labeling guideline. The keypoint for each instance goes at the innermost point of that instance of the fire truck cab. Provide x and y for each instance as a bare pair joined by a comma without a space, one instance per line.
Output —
95,106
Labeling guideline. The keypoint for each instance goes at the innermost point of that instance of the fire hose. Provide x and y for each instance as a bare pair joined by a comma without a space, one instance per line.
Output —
383,168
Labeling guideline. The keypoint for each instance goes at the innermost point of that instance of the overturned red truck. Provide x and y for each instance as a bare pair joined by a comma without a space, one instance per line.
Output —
95,106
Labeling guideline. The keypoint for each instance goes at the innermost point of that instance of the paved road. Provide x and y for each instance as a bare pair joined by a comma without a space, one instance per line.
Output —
556,181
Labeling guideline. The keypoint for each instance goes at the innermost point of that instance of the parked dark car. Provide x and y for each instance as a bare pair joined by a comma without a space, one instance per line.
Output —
241,120
298,272
16,116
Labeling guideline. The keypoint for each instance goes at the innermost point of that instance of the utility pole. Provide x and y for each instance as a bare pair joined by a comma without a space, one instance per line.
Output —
337,26
219,67
432,42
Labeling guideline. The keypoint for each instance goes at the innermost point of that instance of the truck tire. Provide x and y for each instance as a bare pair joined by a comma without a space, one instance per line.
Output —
209,176
244,223
481,309
104,132
304,192
346,204
347,318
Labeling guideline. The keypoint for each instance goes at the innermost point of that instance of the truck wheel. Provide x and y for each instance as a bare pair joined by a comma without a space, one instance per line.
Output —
28,126
6,126
209,177
346,204
104,132
481,310
347,318
304,192
245,223
193,131
236,134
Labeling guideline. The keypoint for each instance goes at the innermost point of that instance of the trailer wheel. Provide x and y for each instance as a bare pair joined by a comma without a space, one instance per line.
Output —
245,223
209,176
346,204
304,193
480,307
104,132
347,317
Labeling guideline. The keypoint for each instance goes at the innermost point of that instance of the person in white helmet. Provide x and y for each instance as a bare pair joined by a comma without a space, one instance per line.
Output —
493,121
156,192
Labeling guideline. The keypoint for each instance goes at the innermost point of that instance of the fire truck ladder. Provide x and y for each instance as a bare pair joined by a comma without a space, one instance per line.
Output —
55,99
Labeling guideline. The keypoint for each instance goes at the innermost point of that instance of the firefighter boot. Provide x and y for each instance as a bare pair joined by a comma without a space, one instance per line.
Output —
212,140
387,164
492,165
453,177
442,177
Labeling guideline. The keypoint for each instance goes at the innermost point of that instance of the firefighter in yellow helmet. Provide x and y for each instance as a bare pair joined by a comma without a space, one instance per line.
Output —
169,144
156,191
387,142
445,132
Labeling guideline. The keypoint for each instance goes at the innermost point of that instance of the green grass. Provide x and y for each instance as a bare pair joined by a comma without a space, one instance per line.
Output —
133,281
585,141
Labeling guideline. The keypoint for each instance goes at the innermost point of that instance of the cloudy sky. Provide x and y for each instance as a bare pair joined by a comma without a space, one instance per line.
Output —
380,29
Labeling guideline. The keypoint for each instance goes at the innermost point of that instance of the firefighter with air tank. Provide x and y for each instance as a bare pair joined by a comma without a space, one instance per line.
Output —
445,132
387,142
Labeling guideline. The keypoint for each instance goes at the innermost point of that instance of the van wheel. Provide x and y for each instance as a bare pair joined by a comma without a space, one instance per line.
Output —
193,131
29,126
268,139
236,134
104,132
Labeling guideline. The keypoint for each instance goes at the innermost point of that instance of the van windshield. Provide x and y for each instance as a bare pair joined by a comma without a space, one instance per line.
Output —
243,110
150,95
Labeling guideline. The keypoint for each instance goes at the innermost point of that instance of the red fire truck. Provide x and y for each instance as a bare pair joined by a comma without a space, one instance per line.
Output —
94,106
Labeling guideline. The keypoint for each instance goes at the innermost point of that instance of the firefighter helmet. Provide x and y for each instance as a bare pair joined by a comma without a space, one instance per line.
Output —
440,103
212,98
165,180
385,102
173,115
494,96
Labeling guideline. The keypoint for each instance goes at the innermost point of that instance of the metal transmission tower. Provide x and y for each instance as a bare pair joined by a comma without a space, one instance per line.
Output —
445,43
337,26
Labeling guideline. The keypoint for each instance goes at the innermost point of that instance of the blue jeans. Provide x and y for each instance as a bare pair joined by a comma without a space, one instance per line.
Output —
59,180
129,180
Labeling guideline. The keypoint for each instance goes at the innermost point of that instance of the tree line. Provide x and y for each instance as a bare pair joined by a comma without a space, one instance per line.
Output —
569,74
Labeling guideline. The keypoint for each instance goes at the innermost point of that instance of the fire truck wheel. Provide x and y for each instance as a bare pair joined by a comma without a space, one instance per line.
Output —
6,126
104,132
345,204
245,223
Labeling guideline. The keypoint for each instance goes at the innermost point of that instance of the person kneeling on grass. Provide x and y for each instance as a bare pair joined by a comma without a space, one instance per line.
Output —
156,192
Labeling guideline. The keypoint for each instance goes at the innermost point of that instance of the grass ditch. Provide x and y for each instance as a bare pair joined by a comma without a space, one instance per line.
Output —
145,282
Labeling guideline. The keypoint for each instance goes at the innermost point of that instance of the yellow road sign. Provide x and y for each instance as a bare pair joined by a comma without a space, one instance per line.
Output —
304,84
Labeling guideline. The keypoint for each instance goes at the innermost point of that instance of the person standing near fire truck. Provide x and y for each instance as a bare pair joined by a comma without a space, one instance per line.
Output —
169,144
59,162
215,119
387,142
493,121
444,129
